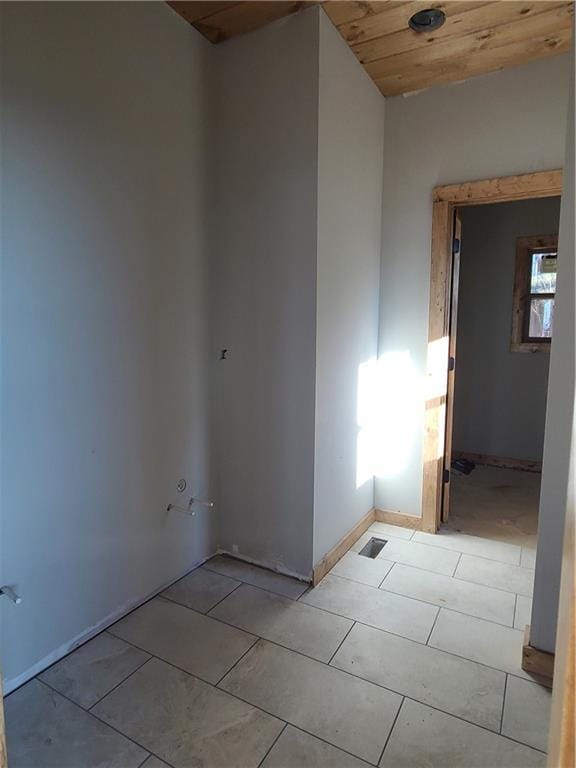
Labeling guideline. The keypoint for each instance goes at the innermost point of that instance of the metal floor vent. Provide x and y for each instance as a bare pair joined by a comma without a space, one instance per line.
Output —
373,547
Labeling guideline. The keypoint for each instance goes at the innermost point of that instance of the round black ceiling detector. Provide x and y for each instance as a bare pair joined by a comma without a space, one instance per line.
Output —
428,20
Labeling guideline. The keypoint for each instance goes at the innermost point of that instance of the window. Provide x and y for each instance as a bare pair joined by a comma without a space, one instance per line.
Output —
534,293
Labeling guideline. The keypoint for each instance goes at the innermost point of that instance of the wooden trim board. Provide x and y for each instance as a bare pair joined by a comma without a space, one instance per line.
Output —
339,550
526,465
537,662
503,189
445,200
396,518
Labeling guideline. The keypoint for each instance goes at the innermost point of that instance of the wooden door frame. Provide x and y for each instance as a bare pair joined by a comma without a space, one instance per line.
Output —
445,200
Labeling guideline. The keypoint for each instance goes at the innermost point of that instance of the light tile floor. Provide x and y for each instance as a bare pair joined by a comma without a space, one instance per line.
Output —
411,660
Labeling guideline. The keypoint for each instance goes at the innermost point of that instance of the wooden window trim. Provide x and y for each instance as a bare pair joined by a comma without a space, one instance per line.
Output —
521,295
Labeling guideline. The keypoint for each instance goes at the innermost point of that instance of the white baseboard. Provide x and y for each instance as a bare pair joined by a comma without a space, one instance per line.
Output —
11,684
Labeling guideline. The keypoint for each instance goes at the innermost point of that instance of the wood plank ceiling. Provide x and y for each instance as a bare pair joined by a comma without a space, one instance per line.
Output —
476,38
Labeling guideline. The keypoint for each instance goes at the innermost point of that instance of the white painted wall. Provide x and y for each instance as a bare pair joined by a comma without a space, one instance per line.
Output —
557,486
350,157
506,123
264,291
500,398
104,392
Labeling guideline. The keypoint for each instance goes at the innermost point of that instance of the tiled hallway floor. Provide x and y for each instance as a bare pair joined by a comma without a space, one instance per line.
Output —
411,660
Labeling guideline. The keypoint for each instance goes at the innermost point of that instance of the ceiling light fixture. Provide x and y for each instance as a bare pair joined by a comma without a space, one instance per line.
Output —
428,20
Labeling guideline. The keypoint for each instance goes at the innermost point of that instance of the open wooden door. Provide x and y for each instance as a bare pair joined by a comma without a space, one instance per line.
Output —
455,276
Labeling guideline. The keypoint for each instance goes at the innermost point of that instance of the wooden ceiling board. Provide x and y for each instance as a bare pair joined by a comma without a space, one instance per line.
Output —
476,38
344,12
393,17
471,18
446,51
481,63
194,11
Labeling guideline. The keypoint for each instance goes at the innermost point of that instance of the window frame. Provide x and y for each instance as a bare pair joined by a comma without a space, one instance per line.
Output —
521,296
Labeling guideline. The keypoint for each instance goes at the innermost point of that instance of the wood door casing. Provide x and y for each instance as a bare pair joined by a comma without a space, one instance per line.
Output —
456,249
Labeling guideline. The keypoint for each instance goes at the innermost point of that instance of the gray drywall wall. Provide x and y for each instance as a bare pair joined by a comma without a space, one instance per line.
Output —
264,291
500,397
558,443
350,157
509,122
104,393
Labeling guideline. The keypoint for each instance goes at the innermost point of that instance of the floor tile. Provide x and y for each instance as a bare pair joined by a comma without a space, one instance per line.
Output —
511,578
363,569
482,641
258,577
296,749
45,730
527,713
287,622
347,712
420,556
523,613
93,670
462,688
189,640
473,599
200,590
394,531
528,558
426,738
384,610
187,722
471,545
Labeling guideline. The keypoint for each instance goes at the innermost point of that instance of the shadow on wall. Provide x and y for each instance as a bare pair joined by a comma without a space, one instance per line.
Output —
390,398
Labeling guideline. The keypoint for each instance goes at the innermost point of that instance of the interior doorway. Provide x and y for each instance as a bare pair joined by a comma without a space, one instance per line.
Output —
529,325
503,288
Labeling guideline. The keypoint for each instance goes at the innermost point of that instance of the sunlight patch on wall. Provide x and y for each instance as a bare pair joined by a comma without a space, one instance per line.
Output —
389,403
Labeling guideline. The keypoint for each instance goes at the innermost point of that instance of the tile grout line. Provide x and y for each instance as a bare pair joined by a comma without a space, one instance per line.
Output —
472,554
121,681
515,609
271,747
237,587
503,704
256,640
432,630
99,719
341,643
390,731
454,610
456,566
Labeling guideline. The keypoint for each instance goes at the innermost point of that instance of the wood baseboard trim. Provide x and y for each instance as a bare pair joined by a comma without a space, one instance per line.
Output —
535,662
526,465
397,518
339,550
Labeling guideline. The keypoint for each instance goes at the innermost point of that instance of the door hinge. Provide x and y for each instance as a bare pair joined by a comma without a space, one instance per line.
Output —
451,363
456,245
446,476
